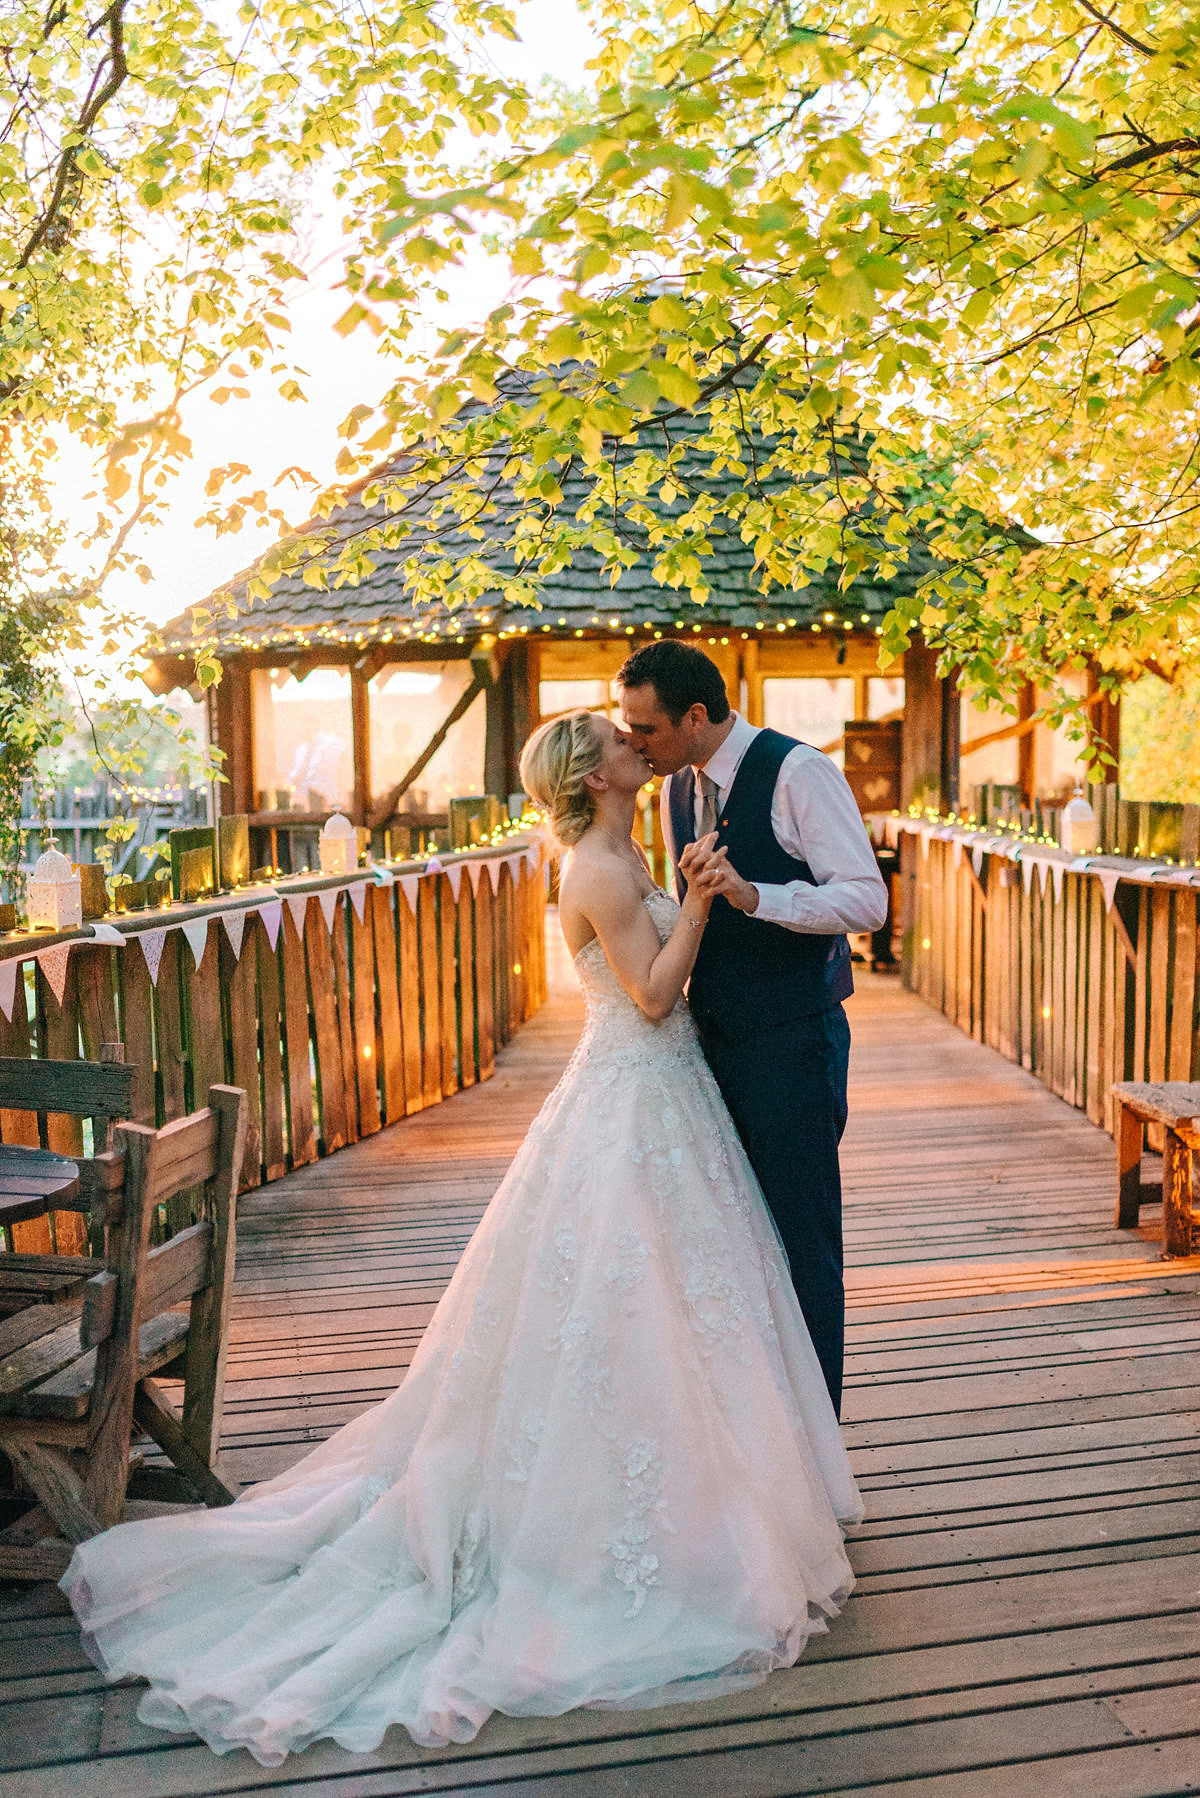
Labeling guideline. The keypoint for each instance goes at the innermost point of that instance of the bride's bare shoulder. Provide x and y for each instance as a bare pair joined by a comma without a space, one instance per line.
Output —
597,888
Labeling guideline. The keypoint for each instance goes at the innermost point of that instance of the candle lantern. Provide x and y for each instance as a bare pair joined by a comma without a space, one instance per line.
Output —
53,893
233,850
339,846
1080,833
92,888
193,862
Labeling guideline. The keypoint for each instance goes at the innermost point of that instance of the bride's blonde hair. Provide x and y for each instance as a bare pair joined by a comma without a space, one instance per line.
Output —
555,764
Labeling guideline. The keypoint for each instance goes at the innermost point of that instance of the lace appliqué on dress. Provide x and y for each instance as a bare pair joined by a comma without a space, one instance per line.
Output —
643,1478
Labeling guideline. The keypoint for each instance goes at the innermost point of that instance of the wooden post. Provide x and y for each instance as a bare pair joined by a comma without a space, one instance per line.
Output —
1105,712
361,730
929,743
512,710
749,675
1177,1188
234,721
1129,1167
1027,744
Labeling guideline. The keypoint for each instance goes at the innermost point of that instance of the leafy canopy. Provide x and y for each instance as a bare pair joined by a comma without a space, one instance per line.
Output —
917,268
944,259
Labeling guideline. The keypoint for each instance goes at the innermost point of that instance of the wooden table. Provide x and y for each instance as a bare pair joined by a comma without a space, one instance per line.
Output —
31,1181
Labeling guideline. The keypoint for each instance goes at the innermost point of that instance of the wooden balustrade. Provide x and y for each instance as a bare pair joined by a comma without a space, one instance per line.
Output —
1085,975
334,1030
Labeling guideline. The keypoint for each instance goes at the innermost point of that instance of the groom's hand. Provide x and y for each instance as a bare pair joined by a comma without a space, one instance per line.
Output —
741,894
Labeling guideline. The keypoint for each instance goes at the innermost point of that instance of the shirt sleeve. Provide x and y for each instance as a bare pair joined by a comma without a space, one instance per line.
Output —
815,817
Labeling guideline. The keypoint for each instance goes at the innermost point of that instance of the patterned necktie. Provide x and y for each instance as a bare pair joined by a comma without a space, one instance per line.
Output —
708,805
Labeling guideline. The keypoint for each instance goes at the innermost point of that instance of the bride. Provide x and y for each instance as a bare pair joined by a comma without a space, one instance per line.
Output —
612,1475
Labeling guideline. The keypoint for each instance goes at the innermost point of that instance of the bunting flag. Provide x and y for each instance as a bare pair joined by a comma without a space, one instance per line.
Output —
152,947
358,898
514,864
328,898
1026,866
924,845
1043,868
477,870
108,933
977,859
533,860
235,929
1058,870
297,904
408,886
956,849
1109,879
8,985
454,875
54,962
197,939
272,915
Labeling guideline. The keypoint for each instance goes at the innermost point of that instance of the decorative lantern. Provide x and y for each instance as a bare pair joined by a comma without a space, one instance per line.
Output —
1080,834
339,846
54,893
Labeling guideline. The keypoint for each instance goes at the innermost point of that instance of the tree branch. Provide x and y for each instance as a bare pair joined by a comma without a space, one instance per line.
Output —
99,95
1117,30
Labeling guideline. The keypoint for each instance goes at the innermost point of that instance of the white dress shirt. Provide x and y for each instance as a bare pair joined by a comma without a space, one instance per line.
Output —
815,819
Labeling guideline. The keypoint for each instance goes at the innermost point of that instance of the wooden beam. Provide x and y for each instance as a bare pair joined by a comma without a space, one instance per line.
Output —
381,812
360,726
1027,742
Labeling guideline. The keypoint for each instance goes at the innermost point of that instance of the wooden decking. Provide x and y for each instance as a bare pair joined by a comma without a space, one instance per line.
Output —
1023,1403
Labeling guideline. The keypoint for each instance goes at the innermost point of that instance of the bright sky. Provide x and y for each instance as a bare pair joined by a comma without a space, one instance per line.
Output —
271,434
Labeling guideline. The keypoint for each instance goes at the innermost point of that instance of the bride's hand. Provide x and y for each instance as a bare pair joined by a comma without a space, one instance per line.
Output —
701,864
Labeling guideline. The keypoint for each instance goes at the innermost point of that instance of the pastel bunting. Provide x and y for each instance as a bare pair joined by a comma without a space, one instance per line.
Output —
8,984
235,928
152,942
272,916
196,933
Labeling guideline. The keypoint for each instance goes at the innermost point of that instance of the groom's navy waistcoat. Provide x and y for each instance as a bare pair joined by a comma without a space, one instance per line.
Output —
751,975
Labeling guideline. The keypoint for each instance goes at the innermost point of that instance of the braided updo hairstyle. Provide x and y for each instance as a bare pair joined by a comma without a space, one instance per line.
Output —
554,765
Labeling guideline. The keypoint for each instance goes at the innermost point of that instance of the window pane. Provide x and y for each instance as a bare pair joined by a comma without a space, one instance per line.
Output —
815,711
556,696
885,697
303,740
407,701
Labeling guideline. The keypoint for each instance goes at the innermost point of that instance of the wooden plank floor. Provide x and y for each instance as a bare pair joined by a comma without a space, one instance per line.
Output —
1022,1409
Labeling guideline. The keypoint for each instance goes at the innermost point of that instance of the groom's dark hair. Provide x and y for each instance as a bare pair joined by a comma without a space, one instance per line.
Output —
681,677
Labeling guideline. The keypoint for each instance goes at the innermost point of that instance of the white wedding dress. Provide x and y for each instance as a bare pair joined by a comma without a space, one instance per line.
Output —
611,1477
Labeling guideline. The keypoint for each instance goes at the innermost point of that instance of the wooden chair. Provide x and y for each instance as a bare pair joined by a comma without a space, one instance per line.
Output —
1175,1104
99,1090
74,1382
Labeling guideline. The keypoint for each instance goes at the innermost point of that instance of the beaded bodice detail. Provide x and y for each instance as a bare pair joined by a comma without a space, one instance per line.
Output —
616,1025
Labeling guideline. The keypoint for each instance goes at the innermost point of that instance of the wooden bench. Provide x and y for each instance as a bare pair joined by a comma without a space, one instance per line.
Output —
1174,1104
75,1378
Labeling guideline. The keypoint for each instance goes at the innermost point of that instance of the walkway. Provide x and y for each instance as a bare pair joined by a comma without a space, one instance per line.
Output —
1022,1410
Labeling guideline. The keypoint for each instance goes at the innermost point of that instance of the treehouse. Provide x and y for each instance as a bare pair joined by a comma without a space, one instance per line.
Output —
348,698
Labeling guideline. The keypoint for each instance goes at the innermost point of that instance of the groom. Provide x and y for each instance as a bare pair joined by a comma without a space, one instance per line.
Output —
774,966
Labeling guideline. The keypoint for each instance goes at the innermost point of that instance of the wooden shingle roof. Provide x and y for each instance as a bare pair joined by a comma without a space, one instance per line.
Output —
578,598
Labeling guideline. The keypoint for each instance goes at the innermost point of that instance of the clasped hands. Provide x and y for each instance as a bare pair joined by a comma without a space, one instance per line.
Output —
706,869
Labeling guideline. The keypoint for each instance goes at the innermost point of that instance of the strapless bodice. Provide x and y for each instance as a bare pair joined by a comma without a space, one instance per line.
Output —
616,1024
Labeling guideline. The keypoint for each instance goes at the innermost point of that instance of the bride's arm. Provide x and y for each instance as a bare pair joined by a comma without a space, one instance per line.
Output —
652,973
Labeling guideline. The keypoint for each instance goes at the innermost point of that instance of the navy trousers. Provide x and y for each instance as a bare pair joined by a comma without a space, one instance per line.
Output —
786,1092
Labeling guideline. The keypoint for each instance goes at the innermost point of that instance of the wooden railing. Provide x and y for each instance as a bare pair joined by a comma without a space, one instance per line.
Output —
340,1003
1081,969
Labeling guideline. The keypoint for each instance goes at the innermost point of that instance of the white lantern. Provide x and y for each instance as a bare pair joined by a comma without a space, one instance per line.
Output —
339,846
54,893
1080,833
